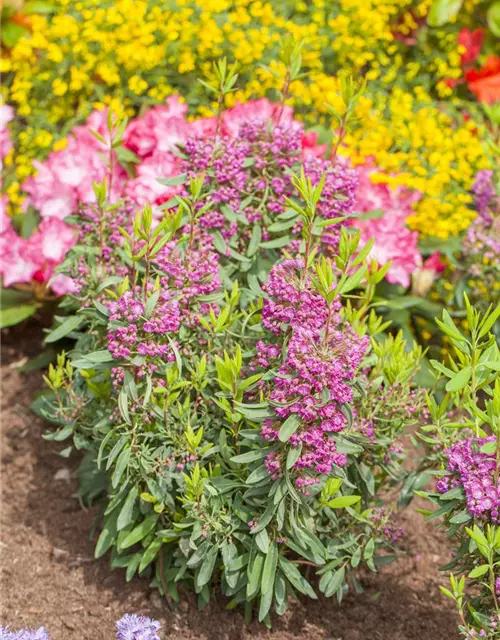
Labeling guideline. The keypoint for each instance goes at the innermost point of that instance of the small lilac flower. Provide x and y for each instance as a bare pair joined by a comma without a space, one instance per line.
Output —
133,627
24,634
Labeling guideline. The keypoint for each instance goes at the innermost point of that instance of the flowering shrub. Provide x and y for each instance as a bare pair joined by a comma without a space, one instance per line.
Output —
129,627
232,432
464,441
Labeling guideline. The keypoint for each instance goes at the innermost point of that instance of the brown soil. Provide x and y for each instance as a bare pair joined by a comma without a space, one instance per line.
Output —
49,575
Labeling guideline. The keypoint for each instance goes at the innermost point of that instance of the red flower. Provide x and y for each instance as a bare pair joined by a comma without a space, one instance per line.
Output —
485,82
472,41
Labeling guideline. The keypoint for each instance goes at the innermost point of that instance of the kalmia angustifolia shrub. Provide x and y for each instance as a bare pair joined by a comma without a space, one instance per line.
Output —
234,434
465,455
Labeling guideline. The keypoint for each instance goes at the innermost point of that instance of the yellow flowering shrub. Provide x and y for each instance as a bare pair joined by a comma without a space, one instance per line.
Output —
93,53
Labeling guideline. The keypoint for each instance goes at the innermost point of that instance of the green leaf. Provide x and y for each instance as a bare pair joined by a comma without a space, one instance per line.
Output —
140,532
335,583
14,298
107,536
11,32
261,473
174,181
493,17
126,512
255,239
254,573
121,465
442,11
295,578
343,501
459,380
123,406
489,448
269,571
490,319
38,6
207,567
460,518
250,456
115,451
150,554
289,427
277,243
292,456
14,315
65,328
479,571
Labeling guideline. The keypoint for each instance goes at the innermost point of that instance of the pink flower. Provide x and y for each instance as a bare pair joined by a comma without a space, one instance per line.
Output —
19,262
310,146
6,115
56,239
162,128
61,285
146,188
66,177
434,263
35,258
393,240
5,221
472,41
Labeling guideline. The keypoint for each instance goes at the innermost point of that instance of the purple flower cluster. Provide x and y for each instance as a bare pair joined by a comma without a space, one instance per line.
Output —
382,518
251,174
132,334
484,191
312,380
129,627
24,634
191,274
476,472
133,627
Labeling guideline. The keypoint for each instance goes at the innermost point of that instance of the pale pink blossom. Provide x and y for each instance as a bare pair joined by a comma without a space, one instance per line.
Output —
35,258
393,239
66,177
161,128
5,221
6,115
145,188
20,260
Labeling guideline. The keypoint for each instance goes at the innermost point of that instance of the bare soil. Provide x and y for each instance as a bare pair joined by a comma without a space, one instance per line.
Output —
49,575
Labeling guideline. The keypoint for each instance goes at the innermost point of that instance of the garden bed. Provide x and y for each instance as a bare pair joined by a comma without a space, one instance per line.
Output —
49,575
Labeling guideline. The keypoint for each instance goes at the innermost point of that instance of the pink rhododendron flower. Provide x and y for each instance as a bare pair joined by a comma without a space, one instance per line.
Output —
393,240
6,115
66,177
5,221
146,188
310,146
34,259
20,259
160,129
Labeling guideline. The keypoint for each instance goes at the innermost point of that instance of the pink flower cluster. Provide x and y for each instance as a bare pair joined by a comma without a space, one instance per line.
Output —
312,380
393,240
476,472
6,115
133,334
25,260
